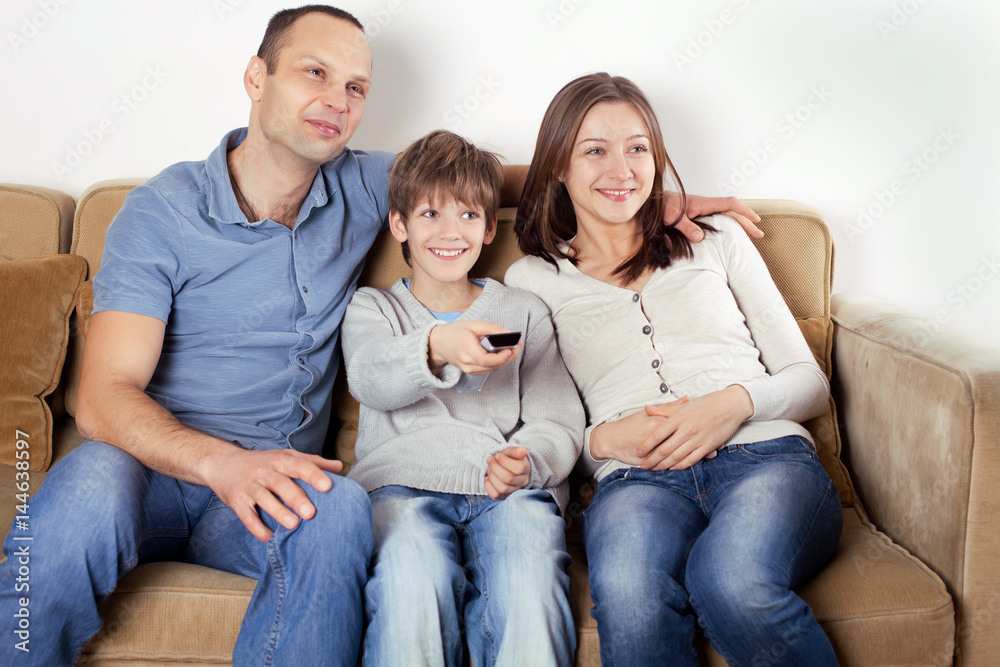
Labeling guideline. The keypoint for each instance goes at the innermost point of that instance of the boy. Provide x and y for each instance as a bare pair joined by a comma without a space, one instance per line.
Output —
466,487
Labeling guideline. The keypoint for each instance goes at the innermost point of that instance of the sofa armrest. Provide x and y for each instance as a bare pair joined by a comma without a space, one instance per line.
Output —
920,419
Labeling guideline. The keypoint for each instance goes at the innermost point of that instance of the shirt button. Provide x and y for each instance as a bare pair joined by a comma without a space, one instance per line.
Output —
635,297
302,362
305,289
663,388
656,363
647,329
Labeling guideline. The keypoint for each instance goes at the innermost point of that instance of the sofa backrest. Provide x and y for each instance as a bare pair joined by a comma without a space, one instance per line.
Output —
797,249
34,221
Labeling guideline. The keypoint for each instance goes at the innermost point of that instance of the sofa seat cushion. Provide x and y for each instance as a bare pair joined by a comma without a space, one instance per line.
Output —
171,612
36,299
878,604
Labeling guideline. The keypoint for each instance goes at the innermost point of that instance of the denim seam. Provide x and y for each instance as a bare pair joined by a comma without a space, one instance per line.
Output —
279,580
483,592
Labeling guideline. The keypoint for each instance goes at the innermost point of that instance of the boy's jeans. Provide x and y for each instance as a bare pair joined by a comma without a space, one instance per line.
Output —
100,513
498,564
725,540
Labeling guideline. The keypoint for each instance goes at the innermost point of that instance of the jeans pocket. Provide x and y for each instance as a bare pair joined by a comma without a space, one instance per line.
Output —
789,447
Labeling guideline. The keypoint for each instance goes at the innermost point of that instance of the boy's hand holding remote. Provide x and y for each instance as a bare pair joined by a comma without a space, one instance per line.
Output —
460,344
509,471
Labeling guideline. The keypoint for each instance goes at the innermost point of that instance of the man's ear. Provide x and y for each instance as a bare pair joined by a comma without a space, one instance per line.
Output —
253,78
397,227
491,231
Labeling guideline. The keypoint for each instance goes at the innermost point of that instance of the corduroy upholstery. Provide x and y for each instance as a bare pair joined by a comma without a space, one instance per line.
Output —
921,425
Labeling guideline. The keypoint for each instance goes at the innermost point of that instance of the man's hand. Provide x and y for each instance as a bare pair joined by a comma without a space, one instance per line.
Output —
694,431
699,206
460,344
507,472
247,480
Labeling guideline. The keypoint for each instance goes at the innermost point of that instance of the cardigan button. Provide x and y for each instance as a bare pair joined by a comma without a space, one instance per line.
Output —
656,363
635,297
663,388
647,329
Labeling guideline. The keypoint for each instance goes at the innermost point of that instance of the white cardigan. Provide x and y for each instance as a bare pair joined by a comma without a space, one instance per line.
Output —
698,326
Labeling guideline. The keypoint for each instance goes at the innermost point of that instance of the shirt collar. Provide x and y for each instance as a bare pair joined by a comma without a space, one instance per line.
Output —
222,204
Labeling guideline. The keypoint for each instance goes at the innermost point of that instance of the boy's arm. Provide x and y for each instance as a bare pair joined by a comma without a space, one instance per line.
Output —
387,369
551,412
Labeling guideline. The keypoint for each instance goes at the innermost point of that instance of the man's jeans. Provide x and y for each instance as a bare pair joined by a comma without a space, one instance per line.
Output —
100,513
725,540
499,563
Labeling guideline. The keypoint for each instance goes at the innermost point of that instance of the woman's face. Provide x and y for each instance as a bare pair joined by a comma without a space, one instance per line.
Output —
611,168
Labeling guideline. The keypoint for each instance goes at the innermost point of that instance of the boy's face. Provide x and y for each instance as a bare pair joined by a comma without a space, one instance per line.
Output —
445,238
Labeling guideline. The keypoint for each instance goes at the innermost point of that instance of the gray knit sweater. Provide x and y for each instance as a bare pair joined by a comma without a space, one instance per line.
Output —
415,430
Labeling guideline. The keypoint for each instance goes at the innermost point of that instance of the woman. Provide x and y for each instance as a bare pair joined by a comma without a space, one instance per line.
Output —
711,503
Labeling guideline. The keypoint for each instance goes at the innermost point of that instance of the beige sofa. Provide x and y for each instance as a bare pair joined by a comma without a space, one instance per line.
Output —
912,443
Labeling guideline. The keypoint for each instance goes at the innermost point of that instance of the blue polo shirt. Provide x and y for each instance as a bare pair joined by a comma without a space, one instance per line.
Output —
252,310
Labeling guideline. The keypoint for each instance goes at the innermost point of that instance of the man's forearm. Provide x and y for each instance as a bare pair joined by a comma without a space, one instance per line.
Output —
124,416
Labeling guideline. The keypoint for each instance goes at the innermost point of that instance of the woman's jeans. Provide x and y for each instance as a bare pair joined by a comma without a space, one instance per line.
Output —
100,513
441,558
724,541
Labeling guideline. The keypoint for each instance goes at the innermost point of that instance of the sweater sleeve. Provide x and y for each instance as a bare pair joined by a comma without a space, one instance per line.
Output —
551,412
794,388
387,369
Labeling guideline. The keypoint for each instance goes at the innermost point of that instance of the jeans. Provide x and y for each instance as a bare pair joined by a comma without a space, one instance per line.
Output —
724,541
441,557
100,513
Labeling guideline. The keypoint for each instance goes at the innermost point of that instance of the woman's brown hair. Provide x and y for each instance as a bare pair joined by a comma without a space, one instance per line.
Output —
545,214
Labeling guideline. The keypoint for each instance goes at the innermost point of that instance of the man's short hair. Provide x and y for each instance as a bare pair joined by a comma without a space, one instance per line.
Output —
441,164
276,35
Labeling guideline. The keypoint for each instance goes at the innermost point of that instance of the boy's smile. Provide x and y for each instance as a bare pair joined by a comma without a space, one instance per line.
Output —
445,237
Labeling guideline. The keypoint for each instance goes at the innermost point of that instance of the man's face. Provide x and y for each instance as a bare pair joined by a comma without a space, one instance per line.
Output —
314,100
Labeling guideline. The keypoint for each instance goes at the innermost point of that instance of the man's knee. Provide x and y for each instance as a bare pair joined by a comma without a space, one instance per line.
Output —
342,510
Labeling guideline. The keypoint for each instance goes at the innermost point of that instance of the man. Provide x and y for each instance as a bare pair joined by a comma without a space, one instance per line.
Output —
209,367
217,419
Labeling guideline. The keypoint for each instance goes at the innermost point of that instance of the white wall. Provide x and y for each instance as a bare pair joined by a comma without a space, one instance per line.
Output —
830,102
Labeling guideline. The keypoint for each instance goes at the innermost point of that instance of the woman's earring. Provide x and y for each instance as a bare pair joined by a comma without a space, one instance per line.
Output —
559,178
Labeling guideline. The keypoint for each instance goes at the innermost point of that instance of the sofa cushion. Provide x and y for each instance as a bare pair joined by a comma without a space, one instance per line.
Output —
37,297
818,332
171,612
878,604
34,221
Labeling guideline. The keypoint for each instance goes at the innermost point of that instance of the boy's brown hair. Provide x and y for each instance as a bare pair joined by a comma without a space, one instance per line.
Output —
444,164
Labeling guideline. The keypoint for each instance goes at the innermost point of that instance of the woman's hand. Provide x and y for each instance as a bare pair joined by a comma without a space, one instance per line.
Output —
698,206
694,431
622,439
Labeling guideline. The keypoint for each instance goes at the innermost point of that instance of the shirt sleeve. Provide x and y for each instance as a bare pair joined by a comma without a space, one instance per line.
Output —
387,369
375,167
794,388
551,412
144,257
